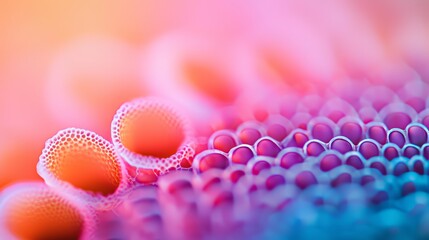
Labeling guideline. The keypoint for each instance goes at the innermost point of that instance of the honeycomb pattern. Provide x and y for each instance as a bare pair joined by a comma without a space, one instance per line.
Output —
84,163
149,133
34,211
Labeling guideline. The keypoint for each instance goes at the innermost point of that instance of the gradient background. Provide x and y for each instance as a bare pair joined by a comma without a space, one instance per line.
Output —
73,63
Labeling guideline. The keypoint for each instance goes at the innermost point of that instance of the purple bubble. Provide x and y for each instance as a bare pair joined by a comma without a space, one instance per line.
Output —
342,178
397,120
305,179
418,166
250,132
322,132
223,140
378,133
352,130
274,180
425,151
409,151
397,136
211,159
368,149
400,168
408,188
341,145
417,135
289,159
241,154
390,152
329,162
260,164
366,179
297,138
355,161
314,148
267,146
379,166
379,197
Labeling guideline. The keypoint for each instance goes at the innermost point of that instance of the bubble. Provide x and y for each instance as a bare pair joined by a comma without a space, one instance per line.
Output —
296,138
259,163
322,129
34,211
410,150
378,97
250,132
241,154
305,179
81,162
314,147
354,159
235,172
267,146
289,157
301,119
425,151
397,115
418,165
397,136
379,164
278,127
398,167
390,151
336,109
417,134
368,148
329,161
150,133
341,144
223,140
378,132
351,129
210,159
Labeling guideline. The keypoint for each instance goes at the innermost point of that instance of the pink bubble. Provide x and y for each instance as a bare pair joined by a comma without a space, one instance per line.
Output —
223,140
274,181
250,132
260,163
329,162
314,148
296,138
241,154
290,157
322,129
342,178
267,146
210,159
305,179
352,129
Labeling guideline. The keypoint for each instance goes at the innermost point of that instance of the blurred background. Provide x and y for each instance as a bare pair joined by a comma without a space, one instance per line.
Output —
73,63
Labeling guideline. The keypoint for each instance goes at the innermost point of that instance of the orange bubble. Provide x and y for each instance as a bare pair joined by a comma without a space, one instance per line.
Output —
85,161
34,211
151,134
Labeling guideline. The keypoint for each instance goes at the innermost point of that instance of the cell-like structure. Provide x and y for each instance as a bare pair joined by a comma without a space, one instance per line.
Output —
82,163
32,210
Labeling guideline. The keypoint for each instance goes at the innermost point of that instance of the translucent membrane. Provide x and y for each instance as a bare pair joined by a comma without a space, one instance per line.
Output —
329,161
150,133
267,146
210,159
260,163
322,129
335,109
81,162
397,115
35,211
377,131
341,144
314,147
390,151
417,134
296,138
396,136
368,148
289,157
241,154
278,127
250,132
351,129
223,140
